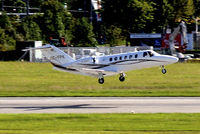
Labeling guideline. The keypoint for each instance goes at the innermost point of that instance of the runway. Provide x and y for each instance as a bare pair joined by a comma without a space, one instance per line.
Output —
99,104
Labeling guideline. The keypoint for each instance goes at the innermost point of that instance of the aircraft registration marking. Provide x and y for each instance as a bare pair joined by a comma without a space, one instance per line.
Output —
57,57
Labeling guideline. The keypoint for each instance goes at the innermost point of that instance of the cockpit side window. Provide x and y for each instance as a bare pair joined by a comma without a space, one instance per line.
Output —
144,54
150,53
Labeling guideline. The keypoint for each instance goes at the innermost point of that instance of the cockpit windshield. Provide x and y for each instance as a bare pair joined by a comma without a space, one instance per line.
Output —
150,53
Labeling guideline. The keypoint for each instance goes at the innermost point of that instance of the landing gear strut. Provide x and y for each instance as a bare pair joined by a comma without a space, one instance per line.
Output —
164,71
122,77
101,79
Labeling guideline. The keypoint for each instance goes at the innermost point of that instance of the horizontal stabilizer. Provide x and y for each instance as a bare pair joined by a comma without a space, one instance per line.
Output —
38,48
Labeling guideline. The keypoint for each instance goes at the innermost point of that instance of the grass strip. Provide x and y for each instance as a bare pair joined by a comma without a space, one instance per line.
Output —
100,123
39,79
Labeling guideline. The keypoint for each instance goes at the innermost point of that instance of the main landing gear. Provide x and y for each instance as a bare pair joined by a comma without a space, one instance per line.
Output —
164,71
122,77
101,79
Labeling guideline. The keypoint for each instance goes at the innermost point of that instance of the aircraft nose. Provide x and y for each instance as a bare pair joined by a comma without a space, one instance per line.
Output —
173,59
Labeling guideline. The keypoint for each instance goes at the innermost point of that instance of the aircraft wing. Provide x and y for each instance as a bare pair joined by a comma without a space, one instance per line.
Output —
83,71
97,72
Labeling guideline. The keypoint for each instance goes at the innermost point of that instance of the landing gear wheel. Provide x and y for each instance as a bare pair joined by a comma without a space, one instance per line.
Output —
122,78
164,71
101,80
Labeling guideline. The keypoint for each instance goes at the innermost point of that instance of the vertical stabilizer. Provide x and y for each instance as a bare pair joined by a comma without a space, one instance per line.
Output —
55,55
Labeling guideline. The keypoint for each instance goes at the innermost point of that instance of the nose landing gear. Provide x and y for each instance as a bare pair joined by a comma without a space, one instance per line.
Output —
164,71
101,80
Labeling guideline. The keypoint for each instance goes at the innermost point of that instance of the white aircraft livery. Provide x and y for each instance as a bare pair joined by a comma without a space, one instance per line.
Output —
100,66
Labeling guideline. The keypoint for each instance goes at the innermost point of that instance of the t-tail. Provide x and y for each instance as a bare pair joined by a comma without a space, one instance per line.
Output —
55,55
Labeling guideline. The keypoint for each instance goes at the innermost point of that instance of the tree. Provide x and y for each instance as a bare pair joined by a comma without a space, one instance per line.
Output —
16,3
7,33
197,8
182,10
6,41
82,33
78,4
114,35
35,3
162,15
30,29
52,24
5,21
139,15
114,12
80,8
131,15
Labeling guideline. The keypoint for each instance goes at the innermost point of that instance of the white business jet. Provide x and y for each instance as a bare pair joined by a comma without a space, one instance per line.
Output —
100,66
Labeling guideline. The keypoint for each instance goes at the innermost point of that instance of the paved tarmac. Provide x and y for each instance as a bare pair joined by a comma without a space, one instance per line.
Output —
99,104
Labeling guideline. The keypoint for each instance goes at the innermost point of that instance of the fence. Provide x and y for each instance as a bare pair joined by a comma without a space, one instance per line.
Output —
196,42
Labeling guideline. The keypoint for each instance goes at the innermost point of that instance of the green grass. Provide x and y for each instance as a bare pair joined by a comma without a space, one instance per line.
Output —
39,79
99,123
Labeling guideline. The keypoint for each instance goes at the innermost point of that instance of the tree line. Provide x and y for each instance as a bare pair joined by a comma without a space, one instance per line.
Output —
119,19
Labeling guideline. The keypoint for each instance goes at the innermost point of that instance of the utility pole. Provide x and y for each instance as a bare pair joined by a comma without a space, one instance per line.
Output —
27,7
91,11
2,5
84,9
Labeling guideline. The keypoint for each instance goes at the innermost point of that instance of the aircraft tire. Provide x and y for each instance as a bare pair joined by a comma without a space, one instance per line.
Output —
164,71
122,78
101,80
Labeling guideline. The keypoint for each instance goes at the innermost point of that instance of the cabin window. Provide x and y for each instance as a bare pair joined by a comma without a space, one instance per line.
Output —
130,56
110,59
115,58
120,58
125,57
144,54
150,53
136,56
